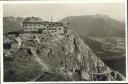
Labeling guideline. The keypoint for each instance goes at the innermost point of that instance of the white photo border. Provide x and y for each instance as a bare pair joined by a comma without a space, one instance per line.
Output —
53,2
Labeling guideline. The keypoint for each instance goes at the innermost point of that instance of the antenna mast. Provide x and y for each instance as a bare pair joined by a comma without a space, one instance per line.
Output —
51,18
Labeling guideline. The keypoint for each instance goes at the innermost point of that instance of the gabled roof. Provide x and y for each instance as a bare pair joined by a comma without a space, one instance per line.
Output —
40,21
55,24
45,23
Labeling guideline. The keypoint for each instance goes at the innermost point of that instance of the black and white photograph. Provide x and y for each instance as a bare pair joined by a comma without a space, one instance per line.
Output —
54,42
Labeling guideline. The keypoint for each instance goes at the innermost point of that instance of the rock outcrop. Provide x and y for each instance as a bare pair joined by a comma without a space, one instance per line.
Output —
59,58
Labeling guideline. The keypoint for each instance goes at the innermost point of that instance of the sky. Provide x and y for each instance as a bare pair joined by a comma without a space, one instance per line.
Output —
61,10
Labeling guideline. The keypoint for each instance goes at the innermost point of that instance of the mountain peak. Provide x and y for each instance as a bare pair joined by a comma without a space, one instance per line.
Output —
96,25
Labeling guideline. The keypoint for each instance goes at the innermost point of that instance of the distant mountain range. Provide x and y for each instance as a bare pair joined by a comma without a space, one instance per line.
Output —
95,25
87,25
12,24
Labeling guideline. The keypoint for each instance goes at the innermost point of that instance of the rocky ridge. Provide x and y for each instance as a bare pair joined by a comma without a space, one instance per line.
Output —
57,58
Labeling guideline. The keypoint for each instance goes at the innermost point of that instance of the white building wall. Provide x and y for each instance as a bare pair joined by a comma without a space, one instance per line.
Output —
33,27
56,30
60,30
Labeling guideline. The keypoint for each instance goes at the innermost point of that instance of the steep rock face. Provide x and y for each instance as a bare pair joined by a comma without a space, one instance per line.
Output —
104,35
59,58
109,50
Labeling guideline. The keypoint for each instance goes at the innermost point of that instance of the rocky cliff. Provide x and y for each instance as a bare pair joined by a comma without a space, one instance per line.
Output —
56,58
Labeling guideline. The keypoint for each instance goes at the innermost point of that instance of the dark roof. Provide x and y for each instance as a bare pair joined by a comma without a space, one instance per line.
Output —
52,24
15,32
45,23
32,20
55,24
39,20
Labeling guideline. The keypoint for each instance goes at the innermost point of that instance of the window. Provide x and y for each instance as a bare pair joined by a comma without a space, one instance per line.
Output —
59,28
7,45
